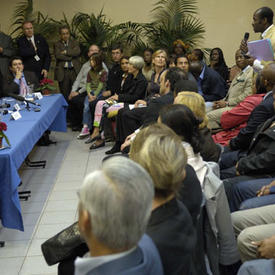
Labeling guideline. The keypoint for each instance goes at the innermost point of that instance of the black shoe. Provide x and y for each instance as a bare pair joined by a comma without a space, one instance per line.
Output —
95,146
76,129
115,149
90,140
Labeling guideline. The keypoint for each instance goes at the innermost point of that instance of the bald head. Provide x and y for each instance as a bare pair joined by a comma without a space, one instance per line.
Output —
268,76
196,68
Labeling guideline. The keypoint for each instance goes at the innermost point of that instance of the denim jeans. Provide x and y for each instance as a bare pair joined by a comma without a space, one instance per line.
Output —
86,113
244,195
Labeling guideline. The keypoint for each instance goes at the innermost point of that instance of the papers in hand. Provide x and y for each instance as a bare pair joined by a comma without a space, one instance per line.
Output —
261,49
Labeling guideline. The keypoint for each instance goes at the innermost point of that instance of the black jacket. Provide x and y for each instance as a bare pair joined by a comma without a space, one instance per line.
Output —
259,115
27,52
213,85
114,79
136,91
170,227
260,158
151,113
10,87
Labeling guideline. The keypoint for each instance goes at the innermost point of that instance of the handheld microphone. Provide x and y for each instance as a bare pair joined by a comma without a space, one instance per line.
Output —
245,39
21,98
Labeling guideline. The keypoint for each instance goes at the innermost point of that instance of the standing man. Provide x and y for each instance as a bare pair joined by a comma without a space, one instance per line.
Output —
6,52
263,23
68,65
34,50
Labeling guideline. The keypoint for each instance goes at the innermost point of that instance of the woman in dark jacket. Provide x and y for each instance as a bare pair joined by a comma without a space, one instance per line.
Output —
217,63
209,151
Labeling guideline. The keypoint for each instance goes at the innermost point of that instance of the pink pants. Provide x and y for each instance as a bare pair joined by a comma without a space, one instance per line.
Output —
98,110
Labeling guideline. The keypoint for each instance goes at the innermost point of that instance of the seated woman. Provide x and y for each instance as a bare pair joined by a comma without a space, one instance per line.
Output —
135,92
179,47
220,243
96,82
209,151
170,225
148,68
217,63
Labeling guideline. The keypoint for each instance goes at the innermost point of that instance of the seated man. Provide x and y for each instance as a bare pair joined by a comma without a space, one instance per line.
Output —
252,226
240,88
115,237
130,120
266,249
183,63
78,91
18,81
211,85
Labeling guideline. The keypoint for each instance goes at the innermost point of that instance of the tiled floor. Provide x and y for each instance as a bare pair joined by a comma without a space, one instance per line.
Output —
53,202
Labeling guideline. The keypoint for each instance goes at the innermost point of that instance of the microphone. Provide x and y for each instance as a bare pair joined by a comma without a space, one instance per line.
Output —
21,98
245,39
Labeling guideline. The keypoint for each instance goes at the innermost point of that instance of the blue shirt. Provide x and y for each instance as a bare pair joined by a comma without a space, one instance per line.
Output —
200,91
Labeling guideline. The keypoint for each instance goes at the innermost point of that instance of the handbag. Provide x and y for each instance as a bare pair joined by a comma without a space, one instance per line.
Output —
62,245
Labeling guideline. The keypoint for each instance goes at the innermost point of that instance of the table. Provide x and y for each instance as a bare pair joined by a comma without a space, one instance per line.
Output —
23,135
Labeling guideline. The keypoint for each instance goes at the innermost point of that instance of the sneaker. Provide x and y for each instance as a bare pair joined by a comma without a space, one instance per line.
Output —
84,133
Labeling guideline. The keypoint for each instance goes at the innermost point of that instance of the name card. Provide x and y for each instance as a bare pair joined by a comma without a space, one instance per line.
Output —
16,107
38,95
16,115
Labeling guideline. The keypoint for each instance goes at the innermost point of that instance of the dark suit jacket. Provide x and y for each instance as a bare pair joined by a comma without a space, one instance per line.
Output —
73,52
260,157
136,91
8,52
171,228
151,113
213,85
27,52
10,87
259,115
114,79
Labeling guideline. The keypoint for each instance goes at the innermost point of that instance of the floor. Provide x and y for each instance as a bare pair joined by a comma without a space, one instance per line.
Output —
53,202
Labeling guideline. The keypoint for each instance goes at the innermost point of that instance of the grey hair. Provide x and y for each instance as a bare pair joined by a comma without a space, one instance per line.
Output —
137,62
118,199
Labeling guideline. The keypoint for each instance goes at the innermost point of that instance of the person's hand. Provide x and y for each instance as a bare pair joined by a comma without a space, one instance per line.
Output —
64,52
106,93
237,172
91,97
44,73
219,104
72,94
143,102
1,49
266,248
127,141
114,97
18,74
265,190
243,46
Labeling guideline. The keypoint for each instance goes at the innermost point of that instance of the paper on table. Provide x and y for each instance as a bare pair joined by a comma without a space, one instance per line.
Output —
261,49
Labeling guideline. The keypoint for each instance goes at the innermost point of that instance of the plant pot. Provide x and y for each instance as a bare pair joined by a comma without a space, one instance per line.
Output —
46,92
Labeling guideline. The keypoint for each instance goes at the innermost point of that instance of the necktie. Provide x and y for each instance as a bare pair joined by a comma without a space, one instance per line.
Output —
70,65
23,88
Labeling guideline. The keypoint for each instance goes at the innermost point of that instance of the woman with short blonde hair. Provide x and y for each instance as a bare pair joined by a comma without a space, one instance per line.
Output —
209,150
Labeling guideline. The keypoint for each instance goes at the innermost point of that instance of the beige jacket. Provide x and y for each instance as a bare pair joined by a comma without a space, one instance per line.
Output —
241,87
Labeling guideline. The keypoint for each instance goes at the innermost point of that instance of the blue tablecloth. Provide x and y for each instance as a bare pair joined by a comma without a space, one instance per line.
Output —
23,135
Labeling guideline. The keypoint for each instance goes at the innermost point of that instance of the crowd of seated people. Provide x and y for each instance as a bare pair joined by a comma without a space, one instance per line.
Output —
200,136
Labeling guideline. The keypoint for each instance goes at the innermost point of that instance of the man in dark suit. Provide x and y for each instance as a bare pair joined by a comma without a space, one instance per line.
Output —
18,80
210,84
6,52
34,50
128,121
115,237
68,65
